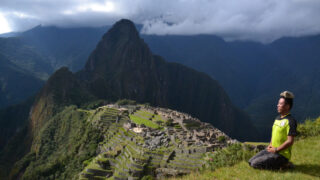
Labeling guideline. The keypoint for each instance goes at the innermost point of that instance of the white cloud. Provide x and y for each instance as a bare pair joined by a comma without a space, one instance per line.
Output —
4,25
261,20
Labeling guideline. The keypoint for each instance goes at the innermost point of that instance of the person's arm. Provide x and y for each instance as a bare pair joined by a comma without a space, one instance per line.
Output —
286,144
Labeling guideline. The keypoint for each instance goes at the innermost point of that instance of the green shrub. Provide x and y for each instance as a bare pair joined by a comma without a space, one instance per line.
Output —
221,138
177,126
126,102
227,156
87,162
94,104
149,177
169,122
309,128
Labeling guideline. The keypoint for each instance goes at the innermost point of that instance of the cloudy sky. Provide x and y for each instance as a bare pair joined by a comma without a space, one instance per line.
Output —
258,20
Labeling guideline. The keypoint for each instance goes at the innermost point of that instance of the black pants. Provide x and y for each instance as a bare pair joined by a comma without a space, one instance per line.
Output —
267,160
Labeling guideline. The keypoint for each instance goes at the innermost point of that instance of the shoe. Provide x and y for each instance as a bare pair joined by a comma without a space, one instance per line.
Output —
288,165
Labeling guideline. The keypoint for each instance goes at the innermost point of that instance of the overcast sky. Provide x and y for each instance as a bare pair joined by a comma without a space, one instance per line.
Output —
258,20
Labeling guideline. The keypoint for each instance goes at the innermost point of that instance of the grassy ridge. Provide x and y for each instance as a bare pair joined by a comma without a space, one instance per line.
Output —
305,157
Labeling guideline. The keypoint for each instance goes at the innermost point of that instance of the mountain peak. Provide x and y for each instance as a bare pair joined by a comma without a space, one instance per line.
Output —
123,29
124,22
121,47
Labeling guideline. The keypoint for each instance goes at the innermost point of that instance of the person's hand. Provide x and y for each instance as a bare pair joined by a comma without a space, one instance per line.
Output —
271,149
269,146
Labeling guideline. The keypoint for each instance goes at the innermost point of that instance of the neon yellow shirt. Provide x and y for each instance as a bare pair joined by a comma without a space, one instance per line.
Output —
281,129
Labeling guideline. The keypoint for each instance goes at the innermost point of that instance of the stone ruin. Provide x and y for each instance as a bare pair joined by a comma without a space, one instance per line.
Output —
129,150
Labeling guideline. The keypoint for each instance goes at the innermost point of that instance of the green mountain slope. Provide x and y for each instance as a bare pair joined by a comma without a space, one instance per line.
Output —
62,145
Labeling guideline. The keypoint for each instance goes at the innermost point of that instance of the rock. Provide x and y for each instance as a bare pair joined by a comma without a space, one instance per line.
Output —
127,125
261,147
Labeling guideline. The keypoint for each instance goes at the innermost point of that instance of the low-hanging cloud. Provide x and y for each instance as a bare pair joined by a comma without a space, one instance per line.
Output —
258,20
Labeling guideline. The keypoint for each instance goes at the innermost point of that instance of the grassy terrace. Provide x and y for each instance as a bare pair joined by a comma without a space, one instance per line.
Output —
147,118
147,115
141,120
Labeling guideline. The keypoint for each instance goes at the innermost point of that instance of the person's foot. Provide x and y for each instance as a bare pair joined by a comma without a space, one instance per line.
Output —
288,165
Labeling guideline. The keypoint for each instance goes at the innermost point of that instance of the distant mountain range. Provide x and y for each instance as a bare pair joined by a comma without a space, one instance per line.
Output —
16,83
253,74
41,51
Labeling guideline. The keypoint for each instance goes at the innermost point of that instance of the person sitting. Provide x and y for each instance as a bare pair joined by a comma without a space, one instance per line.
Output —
284,129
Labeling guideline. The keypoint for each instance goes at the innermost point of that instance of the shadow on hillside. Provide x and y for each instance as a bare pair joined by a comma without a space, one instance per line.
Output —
310,169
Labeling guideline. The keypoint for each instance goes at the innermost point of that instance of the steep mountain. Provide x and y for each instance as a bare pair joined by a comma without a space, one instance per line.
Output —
61,89
122,66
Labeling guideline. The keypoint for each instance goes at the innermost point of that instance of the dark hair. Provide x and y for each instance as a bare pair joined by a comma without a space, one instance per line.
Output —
288,101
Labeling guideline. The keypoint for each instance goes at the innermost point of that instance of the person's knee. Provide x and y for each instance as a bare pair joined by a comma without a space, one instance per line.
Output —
260,162
255,163
257,156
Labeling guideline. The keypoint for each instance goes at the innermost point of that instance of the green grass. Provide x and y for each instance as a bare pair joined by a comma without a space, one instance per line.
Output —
148,115
145,114
158,118
146,122
257,143
305,156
